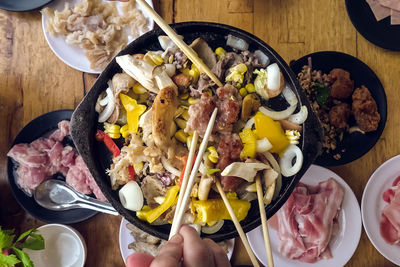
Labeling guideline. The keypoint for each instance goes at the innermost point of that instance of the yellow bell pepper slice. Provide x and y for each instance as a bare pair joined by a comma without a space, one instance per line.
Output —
249,139
213,210
272,130
133,112
150,215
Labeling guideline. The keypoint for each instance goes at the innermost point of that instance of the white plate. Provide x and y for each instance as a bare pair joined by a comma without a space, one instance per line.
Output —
72,55
342,245
372,205
125,238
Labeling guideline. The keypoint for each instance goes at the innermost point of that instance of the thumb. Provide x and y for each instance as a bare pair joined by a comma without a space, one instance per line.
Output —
171,253
139,260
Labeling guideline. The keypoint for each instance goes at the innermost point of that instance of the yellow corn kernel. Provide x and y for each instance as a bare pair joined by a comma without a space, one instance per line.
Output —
181,123
231,195
192,101
213,156
111,128
209,92
189,141
250,88
138,167
181,136
171,59
195,73
138,89
243,91
124,130
186,71
242,68
114,135
185,115
293,136
220,52
184,96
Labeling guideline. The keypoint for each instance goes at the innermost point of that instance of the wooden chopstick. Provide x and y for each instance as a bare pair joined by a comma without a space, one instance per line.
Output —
237,224
177,221
187,50
185,179
264,222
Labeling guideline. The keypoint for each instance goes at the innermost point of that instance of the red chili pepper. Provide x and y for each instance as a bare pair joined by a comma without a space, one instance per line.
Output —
184,162
131,173
102,136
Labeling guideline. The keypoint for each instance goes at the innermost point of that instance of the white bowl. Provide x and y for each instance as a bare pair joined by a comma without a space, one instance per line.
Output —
64,246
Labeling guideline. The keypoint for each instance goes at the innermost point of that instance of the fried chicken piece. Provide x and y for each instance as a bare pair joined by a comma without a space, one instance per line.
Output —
339,114
365,110
342,85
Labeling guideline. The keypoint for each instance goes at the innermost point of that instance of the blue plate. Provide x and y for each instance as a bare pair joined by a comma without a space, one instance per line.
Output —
39,127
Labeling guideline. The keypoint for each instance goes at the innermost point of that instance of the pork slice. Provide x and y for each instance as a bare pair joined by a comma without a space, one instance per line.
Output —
68,155
200,113
30,177
152,187
43,144
391,213
26,155
394,17
392,4
380,12
61,132
76,178
56,158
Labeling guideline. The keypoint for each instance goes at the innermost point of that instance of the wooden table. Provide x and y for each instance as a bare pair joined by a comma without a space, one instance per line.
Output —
34,81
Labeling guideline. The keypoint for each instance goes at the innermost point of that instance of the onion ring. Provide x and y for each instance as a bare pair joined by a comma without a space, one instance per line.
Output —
285,162
300,116
109,109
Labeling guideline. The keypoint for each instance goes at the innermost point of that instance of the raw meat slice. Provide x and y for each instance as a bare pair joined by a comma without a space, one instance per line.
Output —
392,4
395,17
380,12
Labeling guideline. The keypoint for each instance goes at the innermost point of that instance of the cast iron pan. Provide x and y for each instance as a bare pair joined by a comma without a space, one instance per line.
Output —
84,123
355,144
39,127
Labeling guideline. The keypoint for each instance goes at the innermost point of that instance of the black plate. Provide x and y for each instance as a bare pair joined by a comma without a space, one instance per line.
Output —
356,144
22,5
380,33
84,123
39,127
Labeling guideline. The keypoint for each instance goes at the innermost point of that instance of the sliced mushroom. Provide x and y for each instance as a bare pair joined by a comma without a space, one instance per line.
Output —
250,104
288,125
204,51
121,83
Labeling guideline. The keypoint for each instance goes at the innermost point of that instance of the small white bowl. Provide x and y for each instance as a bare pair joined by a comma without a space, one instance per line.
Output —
64,246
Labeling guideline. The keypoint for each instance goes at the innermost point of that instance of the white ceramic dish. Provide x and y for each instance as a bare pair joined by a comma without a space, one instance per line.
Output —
125,238
342,245
372,205
71,55
64,246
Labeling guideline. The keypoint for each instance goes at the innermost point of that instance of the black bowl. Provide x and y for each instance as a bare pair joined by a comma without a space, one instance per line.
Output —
84,123
356,144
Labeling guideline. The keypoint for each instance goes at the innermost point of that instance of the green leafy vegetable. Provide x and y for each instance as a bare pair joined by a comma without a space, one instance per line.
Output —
321,93
30,239
212,171
8,260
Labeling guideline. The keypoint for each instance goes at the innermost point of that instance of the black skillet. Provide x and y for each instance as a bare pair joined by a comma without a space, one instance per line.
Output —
84,123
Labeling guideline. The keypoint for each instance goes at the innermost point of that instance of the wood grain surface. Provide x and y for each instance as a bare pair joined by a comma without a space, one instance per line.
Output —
34,81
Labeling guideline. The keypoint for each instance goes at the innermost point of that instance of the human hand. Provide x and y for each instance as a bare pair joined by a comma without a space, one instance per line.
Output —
185,249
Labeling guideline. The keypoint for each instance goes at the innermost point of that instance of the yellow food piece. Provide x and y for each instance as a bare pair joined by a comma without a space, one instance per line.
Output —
185,115
133,112
138,89
150,215
272,130
231,195
112,130
243,91
124,130
153,58
212,210
249,139
237,74
195,73
138,167
250,88
184,96
213,156
181,136
220,52
192,101
293,136
209,92
181,123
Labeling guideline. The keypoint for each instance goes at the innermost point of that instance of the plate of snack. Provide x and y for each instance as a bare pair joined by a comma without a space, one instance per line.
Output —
349,100
378,21
319,224
132,239
134,128
86,35
42,150
379,208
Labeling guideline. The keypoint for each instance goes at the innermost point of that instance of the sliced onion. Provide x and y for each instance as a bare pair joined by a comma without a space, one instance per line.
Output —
288,156
131,196
356,129
104,101
158,221
237,43
262,58
289,95
212,229
300,116
263,145
274,77
169,167
170,69
277,168
249,124
249,196
278,115
109,109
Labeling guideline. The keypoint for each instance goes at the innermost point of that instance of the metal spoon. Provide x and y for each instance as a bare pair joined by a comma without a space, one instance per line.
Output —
54,194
